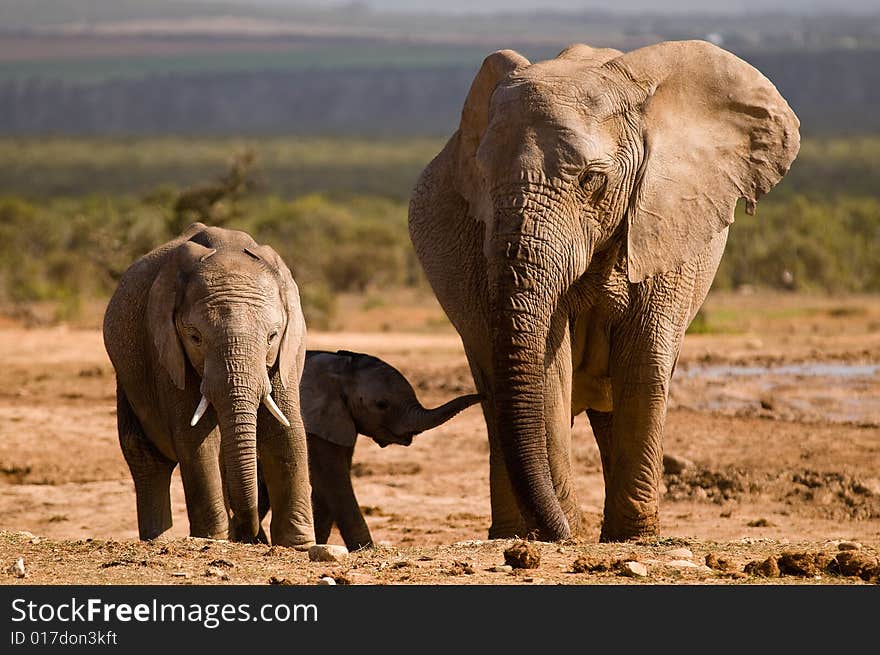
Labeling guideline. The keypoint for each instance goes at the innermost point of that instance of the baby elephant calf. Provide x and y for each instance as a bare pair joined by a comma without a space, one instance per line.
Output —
344,394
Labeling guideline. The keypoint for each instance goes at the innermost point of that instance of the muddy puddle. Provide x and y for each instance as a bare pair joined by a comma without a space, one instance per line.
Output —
836,392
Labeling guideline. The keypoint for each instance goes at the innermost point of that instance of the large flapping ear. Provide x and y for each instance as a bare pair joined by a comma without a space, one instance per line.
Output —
325,412
292,347
715,130
165,293
475,117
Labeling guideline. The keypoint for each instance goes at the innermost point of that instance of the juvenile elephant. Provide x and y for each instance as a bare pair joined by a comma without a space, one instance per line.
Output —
344,394
571,229
207,339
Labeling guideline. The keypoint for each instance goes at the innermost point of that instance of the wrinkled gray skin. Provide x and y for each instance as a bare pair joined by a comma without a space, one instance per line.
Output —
212,314
571,229
344,394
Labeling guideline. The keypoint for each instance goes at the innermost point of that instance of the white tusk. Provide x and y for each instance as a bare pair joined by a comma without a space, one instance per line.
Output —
200,411
277,413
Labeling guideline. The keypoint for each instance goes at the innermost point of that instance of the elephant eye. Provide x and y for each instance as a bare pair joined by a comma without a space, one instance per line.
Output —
592,181
382,404
272,337
195,337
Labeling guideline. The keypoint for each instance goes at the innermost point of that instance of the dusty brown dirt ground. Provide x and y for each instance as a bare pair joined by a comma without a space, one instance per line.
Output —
777,408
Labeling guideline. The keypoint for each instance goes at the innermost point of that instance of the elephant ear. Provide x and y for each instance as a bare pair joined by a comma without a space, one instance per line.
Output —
165,292
475,119
291,351
714,130
324,410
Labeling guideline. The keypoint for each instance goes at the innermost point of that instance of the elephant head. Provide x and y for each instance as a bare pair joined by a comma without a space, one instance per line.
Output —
593,157
228,311
348,393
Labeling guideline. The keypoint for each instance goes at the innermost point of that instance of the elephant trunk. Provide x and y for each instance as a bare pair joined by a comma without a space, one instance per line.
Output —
419,419
530,270
236,396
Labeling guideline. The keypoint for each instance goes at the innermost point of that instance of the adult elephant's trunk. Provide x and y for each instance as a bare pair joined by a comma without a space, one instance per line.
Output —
529,271
420,419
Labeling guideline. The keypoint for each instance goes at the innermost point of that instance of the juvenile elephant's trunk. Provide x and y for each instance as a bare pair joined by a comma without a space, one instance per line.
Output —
420,419
236,392
528,273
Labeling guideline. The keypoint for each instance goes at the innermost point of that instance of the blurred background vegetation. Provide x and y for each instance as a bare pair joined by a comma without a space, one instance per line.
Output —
310,126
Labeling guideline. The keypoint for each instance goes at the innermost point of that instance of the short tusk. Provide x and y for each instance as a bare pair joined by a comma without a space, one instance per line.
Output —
277,413
200,411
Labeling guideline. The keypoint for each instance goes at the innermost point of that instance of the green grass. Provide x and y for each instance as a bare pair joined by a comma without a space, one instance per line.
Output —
74,213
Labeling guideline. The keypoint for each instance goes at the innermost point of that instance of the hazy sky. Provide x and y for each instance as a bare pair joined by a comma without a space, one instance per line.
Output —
726,6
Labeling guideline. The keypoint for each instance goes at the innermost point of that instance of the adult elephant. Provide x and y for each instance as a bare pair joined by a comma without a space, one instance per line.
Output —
571,229
207,339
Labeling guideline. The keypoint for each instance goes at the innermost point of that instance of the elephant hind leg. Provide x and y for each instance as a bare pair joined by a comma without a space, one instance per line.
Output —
602,425
150,470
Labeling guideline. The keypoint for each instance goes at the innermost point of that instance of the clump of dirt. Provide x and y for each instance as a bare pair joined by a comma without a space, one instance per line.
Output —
460,568
523,555
698,483
856,564
719,563
834,495
769,568
587,564
807,564
804,564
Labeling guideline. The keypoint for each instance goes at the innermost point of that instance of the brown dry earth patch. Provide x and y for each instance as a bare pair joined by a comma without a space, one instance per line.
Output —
773,464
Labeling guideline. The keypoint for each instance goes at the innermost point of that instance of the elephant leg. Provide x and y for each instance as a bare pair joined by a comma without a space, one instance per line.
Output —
150,470
641,368
203,486
322,515
284,461
601,423
262,503
330,466
507,521
557,418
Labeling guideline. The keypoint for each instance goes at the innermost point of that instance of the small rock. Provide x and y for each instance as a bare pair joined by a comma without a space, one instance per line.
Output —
523,555
849,545
680,553
179,574
328,553
634,570
214,572
675,465
682,564
501,568
327,580
17,569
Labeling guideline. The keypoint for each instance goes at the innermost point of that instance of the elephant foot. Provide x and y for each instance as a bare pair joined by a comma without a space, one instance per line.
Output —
629,530
507,530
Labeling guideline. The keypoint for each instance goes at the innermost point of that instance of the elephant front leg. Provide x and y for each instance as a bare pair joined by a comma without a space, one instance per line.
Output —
203,485
507,521
150,471
632,458
333,496
284,462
